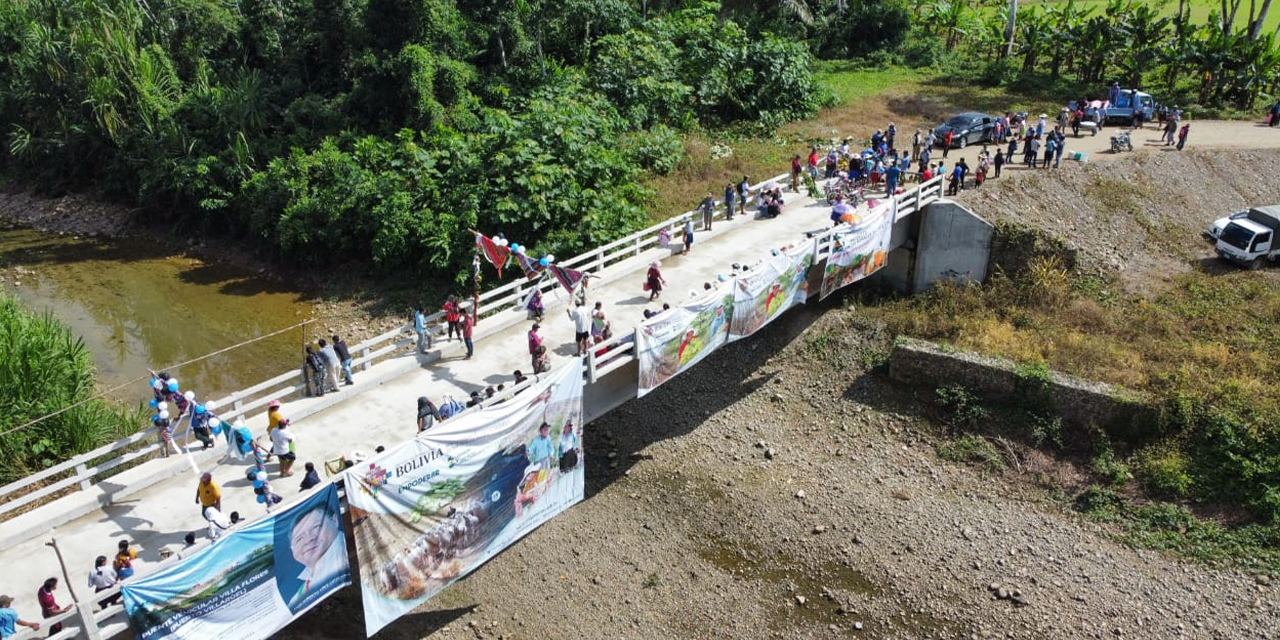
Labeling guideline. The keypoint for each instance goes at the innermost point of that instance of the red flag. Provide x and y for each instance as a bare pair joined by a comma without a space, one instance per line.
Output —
569,278
496,255
530,267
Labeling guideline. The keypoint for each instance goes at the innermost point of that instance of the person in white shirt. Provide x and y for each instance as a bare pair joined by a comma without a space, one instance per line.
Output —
283,447
103,577
581,326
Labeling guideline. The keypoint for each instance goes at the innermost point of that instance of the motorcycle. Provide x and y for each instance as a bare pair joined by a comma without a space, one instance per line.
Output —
1120,142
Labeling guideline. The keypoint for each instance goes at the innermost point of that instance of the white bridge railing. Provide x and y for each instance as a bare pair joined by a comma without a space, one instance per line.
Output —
83,471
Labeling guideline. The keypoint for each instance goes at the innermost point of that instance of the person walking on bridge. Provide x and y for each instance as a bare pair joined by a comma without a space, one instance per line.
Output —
654,281
467,325
581,327
101,578
420,328
744,190
729,195
9,620
535,341
49,606
208,493
452,316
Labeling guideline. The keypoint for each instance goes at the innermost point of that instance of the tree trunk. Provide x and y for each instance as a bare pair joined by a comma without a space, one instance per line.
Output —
1255,31
1178,22
502,52
1231,22
1009,27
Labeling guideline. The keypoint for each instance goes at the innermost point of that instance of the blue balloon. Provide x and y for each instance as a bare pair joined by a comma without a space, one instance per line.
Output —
154,403
544,262
155,419
199,408
257,484
217,430
515,248
173,385
262,498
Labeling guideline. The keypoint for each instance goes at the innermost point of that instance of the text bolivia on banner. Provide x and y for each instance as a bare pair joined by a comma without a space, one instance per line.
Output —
430,511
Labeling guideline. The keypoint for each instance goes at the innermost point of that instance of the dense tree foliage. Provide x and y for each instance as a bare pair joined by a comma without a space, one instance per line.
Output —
381,130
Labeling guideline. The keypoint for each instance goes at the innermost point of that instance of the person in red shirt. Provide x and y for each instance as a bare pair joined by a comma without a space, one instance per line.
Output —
946,143
796,168
928,174
452,314
49,605
813,162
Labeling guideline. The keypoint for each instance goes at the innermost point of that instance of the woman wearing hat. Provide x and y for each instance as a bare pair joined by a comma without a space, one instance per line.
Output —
1040,126
273,415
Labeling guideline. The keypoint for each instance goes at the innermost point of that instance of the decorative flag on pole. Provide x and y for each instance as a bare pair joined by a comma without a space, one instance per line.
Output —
530,267
495,253
569,278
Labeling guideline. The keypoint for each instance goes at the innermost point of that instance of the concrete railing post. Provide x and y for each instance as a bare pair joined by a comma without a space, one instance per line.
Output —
82,472
90,626
637,246
591,366
368,364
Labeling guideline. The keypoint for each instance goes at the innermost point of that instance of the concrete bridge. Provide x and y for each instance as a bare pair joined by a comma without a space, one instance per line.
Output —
124,490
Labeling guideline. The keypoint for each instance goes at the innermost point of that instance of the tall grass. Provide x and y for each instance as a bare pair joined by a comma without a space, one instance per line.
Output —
43,368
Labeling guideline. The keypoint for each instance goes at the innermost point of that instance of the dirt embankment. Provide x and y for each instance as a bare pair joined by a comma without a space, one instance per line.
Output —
1143,214
780,490
75,214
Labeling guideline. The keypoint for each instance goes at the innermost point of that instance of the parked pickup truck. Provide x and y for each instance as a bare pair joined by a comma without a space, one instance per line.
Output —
1248,239
1215,230
1126,104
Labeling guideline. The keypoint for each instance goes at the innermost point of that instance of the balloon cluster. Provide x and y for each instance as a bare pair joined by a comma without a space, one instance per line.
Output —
547,260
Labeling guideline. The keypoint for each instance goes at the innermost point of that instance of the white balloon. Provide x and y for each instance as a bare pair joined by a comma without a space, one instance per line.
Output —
164,415
162,406
551,258
189,395
214,422
239,422
174,381
521,249
157,384
211,405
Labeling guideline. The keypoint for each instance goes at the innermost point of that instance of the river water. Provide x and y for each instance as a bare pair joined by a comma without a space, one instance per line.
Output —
138,308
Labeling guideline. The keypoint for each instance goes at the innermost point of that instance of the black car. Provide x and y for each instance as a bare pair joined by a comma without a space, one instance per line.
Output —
967,128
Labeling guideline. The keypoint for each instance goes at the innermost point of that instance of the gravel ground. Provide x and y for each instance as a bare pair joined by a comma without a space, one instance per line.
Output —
778,492
1141,215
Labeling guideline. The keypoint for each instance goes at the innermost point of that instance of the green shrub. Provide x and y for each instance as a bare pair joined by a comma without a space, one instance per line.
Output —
1110,468
658,150
1099,503
1164,470
972,449
965,408
44,369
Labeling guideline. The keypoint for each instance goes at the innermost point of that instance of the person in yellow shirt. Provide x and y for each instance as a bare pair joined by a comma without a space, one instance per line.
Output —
273,415
208,493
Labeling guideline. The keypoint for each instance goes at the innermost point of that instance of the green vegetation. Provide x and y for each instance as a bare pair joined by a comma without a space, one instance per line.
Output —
972,449
44,369
1173,528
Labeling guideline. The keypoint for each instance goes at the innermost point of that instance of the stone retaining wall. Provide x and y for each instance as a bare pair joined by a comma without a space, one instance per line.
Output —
1127,417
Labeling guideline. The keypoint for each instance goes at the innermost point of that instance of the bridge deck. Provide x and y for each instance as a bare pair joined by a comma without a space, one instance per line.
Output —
162,514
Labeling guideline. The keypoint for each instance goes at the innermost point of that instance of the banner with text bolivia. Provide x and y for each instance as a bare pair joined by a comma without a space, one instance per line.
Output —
432,510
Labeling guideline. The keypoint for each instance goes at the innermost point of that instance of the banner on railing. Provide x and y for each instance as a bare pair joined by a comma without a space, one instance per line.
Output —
861,250
678,338
250,583
773,286
434,509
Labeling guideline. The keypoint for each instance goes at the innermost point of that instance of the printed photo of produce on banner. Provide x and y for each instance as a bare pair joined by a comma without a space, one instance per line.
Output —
430,511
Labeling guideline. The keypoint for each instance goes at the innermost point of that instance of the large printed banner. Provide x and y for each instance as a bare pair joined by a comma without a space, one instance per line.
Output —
774,286
432,510
677,339
862,250
249,584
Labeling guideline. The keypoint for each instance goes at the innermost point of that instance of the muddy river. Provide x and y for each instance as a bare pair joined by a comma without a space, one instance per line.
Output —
138,308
